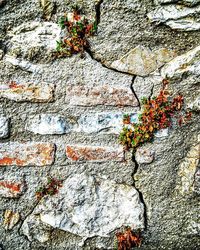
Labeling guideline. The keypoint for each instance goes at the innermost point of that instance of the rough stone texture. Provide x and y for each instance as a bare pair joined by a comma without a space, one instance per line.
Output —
23,64
124,25
27,92
48,124
195,105
197,182
48,7
142,61
26,154
34,230
88,153
10,219
187,24
101,95
86,206
163,14
105,122
1,54
102,87
4,127
187,170
144,156
148,84
11,189
171,220
177,17
186,63
31,38
185,2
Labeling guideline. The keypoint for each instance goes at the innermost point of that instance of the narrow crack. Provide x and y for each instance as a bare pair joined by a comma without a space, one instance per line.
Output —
151,94
132,89
140,193
88,50
98,11
136,163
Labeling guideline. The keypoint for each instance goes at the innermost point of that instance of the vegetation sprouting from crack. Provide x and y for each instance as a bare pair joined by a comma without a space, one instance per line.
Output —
50,189
128,239
157,114
79,28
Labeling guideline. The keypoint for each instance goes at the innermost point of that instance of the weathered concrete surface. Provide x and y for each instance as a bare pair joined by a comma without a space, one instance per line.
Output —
169,193
124,25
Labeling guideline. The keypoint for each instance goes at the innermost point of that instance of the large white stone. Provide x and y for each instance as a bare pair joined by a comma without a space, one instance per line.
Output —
187,24
171,12
188,62
88,207
105,122
23,64
48,124
35,34
177,16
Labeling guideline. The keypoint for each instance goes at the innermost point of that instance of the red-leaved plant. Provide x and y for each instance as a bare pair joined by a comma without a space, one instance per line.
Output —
79,28
156,114
128,239
51,188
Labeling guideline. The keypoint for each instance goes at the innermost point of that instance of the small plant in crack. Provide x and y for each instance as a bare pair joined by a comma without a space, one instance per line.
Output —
157,114
51,188
128,239
79,28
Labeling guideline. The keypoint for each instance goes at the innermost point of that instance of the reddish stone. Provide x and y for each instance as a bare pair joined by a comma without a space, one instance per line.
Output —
100,95
11,189
27,92
26,154
91,153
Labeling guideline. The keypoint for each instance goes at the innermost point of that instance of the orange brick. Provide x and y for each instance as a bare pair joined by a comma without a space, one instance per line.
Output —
11,189
92,153
27,92
26,154
100,95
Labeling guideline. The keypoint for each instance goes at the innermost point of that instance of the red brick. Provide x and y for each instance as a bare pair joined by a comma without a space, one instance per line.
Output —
92,153
11,189
100,95
27,92
26,154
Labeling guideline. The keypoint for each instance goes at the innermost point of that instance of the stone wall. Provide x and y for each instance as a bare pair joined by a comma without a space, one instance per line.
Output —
61,118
